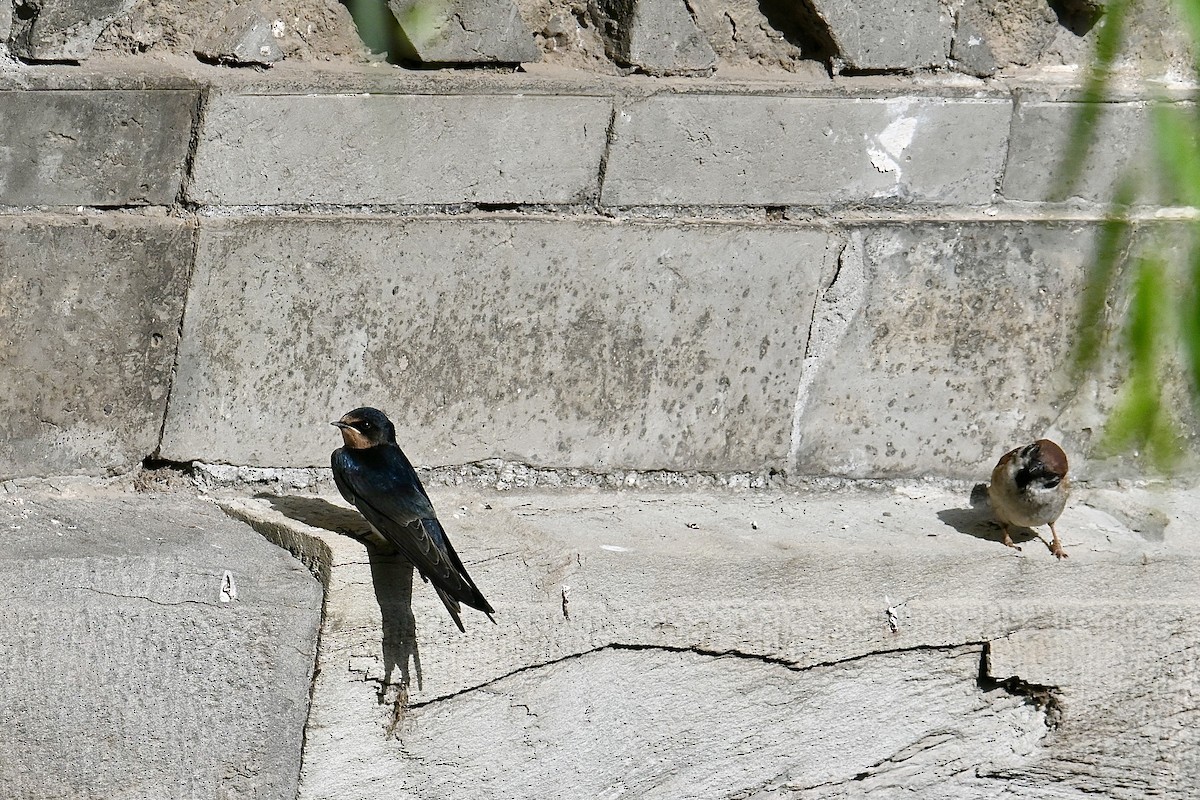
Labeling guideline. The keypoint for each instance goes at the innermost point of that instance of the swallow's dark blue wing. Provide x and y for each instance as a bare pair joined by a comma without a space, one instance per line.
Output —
385,489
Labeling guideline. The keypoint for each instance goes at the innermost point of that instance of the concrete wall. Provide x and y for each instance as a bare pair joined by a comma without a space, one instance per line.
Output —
745,268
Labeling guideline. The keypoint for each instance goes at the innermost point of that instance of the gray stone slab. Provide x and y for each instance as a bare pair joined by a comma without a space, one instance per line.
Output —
818,644
242,36
464,32
1123,145
396,149
123,673
659,37
942,346
726,150
571,343
61,30
89,321
914,34
95,148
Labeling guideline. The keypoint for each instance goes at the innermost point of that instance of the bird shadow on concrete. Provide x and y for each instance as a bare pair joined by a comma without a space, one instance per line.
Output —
977,520
391,577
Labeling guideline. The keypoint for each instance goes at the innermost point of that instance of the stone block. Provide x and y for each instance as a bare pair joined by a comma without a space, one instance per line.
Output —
565,343
728,151
846,642
970,47
400,149
1123,145
242,36
464,32
150,647
89,320
914,34
61,30
1012,31
941,346
95,148
659,37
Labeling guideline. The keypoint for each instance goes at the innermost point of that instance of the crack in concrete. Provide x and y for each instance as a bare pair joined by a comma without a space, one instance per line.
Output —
94,590
701,651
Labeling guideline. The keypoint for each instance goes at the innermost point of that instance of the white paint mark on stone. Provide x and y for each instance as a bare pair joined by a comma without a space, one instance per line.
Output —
614,548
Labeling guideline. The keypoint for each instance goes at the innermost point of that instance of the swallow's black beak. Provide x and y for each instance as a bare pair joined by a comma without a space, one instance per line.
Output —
340,424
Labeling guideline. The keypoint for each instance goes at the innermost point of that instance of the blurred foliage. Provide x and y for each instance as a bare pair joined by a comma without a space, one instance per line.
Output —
1157,304
397,35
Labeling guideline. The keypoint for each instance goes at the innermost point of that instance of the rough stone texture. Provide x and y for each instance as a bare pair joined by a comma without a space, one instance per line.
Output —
242,36
723,150
605,345
89,321
61,30
658,37
772,35
939,347
911,35
99,148
305,30
845,644
400,149
1041,135
123,673
970,47
1013,31
6,18
464,32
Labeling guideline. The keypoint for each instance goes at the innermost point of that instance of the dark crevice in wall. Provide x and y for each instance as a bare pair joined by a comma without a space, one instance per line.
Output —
1077,16
379,30
801,26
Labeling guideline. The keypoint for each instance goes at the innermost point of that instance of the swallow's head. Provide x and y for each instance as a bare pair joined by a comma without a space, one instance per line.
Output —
1042,464
366,427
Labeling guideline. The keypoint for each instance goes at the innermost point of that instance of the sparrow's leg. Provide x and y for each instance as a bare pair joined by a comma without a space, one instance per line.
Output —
1008,539
1056,546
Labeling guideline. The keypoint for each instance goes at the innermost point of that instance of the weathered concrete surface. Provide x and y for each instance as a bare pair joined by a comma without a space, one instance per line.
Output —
1123,145
723,150
89,324
911,35
824,644
658,37
98,148
61,30
941,346
569,343
464,32
399,149
123,673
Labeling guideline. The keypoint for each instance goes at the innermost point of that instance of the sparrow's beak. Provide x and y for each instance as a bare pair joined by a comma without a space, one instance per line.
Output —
340,424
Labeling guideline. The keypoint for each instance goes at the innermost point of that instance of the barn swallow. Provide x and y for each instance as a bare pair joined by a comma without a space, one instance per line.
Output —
374,475
1029,487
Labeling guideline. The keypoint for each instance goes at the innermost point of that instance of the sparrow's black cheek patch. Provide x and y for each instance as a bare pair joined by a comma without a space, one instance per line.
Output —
1022,478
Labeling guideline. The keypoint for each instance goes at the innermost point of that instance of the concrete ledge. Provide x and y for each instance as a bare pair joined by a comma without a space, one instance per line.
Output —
150,647
292,150
731,150
89,327
97,148
556,342
824,644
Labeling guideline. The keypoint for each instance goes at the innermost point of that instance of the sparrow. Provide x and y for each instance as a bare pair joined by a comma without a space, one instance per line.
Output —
374,475
1029,487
